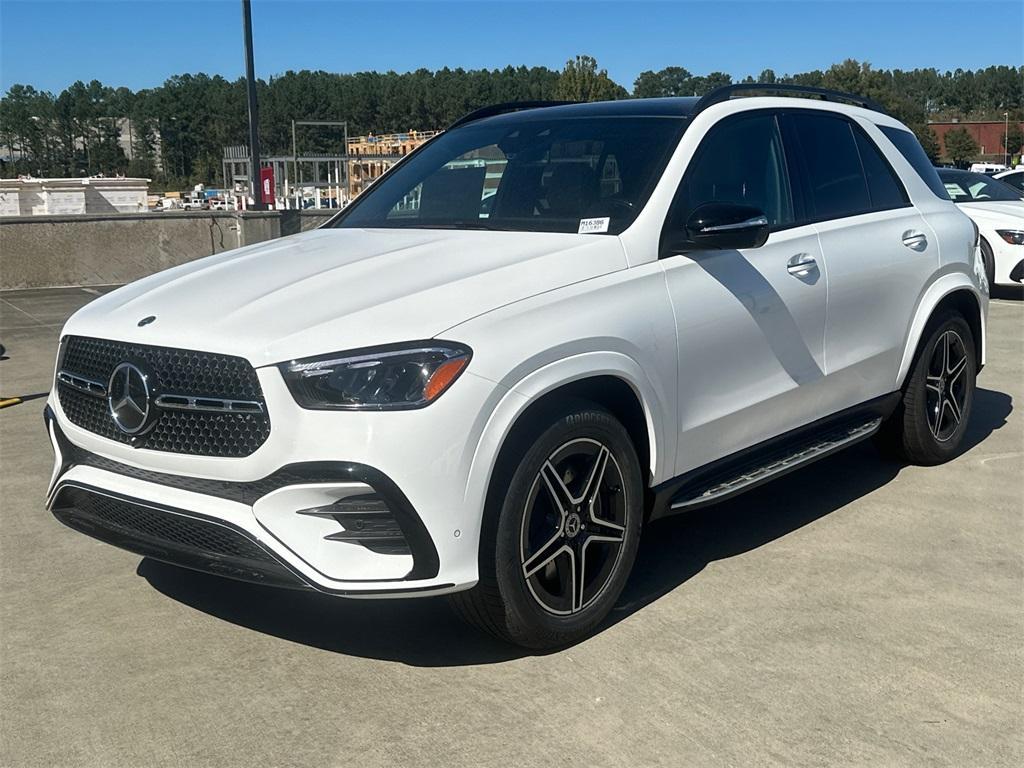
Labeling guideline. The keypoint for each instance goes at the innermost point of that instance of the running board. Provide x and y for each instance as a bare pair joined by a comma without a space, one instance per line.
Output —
793,457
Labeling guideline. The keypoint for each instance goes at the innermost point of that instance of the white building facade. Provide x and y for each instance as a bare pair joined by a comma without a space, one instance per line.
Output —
49,197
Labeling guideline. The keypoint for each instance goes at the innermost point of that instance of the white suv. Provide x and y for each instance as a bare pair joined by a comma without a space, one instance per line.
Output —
547,327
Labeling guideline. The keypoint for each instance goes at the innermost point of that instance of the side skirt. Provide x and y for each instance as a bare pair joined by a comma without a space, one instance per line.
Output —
766,461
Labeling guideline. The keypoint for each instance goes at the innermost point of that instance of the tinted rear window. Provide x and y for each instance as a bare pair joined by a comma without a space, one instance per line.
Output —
837,184
886,190
910,148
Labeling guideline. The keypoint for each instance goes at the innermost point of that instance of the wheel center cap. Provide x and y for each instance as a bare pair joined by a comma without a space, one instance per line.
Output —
572,525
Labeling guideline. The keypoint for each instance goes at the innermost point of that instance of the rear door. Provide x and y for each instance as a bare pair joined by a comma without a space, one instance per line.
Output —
751,322
877,248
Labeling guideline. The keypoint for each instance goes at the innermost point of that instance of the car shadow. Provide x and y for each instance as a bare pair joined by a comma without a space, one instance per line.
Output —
425,632
1009,292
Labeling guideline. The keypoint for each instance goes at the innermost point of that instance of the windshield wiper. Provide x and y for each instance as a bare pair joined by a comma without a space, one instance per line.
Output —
480,225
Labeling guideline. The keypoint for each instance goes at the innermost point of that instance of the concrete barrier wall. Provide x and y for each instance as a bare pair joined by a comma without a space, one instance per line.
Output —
49,251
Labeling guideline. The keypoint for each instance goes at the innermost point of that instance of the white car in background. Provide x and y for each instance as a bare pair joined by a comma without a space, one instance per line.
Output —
998,211
1014,178
987,168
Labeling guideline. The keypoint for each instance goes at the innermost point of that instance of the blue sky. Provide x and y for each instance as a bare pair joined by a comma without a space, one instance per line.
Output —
139,43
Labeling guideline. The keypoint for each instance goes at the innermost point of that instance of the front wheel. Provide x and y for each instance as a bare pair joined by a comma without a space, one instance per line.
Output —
558,546
929,425
990,263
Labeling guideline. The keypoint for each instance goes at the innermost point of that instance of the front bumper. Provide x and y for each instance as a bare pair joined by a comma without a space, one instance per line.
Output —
1008,267
248,530
1017,273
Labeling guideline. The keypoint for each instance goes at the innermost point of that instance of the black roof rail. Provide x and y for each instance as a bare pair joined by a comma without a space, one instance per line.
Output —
726,92
504,108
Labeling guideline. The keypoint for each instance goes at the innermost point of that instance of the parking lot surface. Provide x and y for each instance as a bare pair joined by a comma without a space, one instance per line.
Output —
858,612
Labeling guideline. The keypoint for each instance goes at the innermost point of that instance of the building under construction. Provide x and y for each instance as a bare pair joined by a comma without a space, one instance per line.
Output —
316,179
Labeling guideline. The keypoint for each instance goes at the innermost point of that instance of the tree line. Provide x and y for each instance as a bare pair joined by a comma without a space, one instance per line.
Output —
77,131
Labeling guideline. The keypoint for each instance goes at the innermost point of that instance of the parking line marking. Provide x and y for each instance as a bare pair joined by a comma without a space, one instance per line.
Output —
13,306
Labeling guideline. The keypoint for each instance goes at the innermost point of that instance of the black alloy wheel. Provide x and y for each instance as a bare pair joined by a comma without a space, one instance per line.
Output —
573,527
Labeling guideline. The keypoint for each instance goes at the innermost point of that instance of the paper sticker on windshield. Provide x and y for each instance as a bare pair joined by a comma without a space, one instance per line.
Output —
590,226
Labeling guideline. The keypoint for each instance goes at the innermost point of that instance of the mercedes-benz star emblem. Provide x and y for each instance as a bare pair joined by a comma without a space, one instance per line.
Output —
128,398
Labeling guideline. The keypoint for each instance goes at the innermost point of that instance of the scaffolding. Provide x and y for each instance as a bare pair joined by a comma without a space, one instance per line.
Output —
323,180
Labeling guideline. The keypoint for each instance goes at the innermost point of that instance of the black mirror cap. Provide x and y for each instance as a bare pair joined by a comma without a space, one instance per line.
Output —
726,226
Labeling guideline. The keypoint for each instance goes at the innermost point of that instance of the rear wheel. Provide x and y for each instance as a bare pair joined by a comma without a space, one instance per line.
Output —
928,426
557,548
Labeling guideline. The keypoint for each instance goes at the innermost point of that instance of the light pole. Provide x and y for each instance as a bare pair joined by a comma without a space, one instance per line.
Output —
1006,139
254,117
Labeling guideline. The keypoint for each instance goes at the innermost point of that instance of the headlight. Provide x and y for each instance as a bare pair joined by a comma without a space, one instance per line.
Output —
1012,236
391,378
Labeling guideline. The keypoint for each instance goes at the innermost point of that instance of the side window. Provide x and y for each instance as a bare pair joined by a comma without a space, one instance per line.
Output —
739,161
885,188
1015,180
835,178
910,148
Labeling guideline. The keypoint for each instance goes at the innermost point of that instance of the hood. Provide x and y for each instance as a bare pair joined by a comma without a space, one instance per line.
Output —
995,210
335,289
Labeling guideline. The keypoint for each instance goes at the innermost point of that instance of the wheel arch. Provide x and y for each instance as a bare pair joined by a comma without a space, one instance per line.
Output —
611,380
611,392
952,291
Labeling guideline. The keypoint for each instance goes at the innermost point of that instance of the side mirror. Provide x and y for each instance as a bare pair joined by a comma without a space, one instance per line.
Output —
725,226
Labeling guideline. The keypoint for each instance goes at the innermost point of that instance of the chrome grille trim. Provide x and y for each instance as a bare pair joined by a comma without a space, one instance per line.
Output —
82,384
213,404
181,402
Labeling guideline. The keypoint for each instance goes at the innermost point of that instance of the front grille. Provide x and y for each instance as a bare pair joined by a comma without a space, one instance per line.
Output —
169,536
178,371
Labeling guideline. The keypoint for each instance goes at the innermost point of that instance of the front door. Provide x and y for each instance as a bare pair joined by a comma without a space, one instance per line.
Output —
751,322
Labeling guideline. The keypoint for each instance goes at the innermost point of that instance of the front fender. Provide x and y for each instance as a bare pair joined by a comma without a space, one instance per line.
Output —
520,395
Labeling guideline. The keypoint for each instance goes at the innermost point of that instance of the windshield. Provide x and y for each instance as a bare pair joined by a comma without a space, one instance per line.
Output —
525,174
967,187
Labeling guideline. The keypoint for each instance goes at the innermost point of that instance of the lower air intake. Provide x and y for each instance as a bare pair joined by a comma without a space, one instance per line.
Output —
172,536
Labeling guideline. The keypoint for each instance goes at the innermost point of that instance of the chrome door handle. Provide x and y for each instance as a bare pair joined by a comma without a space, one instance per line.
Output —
801,265
915,241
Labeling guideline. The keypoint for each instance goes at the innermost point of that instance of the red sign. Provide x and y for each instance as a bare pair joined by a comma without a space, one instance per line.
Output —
267,185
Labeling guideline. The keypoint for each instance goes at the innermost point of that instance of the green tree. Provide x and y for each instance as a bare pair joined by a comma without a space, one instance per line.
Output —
708,83
1013,140
192,117
929,143
671,81
960,146
581,80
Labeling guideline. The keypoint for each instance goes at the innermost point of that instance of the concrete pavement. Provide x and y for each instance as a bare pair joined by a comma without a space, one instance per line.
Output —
858,613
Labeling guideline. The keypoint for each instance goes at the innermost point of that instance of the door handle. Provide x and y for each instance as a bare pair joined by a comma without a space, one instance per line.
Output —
801,265
915,241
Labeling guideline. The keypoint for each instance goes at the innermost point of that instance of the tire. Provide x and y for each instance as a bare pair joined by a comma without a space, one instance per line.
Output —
929,424
990,263
550,526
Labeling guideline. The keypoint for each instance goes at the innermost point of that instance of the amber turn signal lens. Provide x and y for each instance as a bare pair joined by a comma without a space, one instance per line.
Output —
443,376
